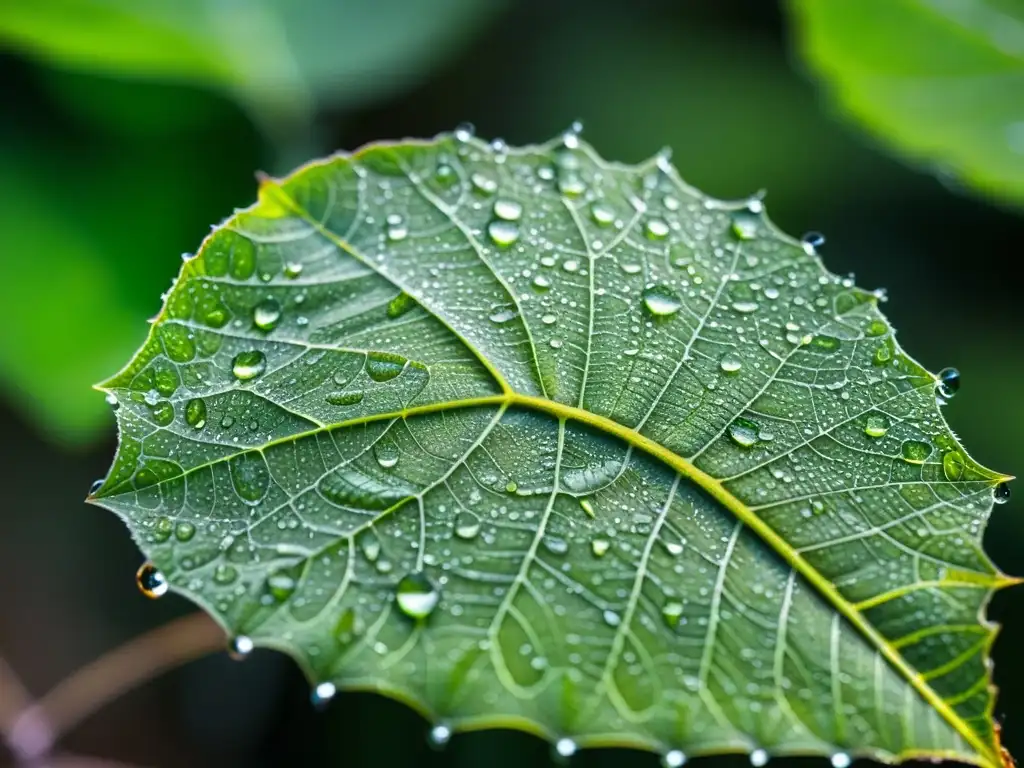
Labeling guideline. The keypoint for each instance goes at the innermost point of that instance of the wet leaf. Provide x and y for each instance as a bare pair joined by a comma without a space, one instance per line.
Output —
616,479
939,81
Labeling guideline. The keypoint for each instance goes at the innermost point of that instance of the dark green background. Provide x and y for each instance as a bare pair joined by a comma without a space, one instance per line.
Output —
104,182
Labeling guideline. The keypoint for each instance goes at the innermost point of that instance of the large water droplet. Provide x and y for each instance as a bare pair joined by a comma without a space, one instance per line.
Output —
267,314
600,547
758,758
611,618
745,224
96,485
661,300
503,233
184,531
322,694
915,451
1002,493
674,758
745,307
503,315
671,612
656,229
416,596
151,581
344,398
386,453
440,735
467,525
744,432
483,183
281,585
840,760
397,230
225,574
953,465
812,241
240,647
248,365
603,215
949,383
876,426
383,366
195,413
292,269
464,131
509,210
731,362
565,747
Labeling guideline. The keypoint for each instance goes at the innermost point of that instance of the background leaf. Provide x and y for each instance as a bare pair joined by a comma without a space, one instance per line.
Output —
938,80
524,438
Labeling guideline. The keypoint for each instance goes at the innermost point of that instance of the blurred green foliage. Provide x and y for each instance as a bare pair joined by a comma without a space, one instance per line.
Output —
940,81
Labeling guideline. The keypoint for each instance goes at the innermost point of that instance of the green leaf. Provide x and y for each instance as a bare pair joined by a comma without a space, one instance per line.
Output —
274,56
529,439
939,81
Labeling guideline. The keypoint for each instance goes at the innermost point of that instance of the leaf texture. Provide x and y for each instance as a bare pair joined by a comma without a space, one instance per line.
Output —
529,439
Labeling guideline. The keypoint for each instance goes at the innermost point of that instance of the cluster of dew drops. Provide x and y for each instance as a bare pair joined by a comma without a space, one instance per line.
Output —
415,595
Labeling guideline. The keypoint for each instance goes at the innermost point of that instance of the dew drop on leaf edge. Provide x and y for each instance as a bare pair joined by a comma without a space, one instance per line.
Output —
674,758
240,647
948,383
1002,493
150,581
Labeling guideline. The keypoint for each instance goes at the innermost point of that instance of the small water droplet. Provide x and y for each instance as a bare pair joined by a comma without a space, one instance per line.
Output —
386,453
416,596
876,426
511,486
440,735
611,618
322,694
953,465
266,314
656,229
915,451
565,747
464,131
571,136
195,413
111,400
225,574
587,507
292,269
248,365
744,432
603,215
151,581
1002,493
503,233
509,210
745,224
758,758
840,760
949,383
731,362
661,300
240,647
600,547
671,612
397,230
674,758
467,525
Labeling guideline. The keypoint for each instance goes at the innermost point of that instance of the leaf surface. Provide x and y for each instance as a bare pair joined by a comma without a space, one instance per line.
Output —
939,80
529,439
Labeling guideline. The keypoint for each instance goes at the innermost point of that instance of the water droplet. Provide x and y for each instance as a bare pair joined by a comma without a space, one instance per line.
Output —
416,596
603,215
731,362
484,184
225,574
240,647
444,174
151,581
600,547
876,426
661,300
671,612
915,451
248,365
111,400
949,383
467,525
812,241
511,486
344,398
281,585
397,230
503,315
744,432
322,694
266,314
195,413
399,305
386,453
571,136
440,735
184,531
840,760
383,366
96,485
565,747
1002,493
656,229
876,328
464,131
953,465
549,319
292,269
541,283
675,758
509,210
571,185
745,224
587,507
611,618
745,307
758,758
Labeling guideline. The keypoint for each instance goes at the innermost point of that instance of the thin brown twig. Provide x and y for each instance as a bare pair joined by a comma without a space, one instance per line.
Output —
114,673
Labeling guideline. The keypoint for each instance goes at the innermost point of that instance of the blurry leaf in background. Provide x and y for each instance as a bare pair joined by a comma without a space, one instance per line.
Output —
942,81
279,58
